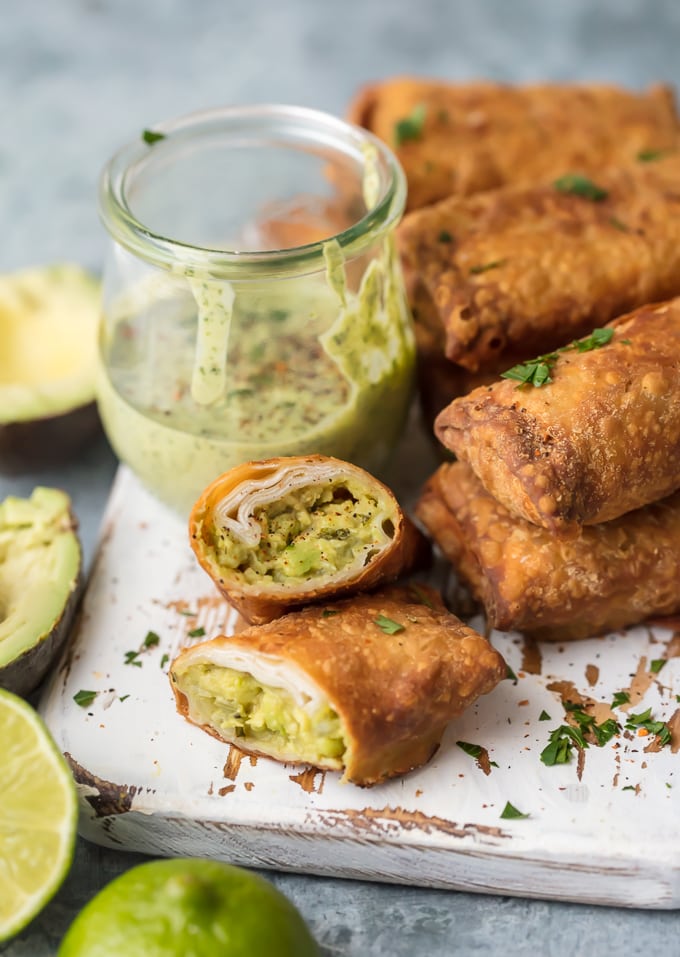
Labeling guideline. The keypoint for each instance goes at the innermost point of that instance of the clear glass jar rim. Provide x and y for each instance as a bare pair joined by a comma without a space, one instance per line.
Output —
186,258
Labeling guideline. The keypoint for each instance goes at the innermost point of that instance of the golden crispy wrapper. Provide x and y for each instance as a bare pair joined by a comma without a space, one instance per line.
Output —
599,440
464,138
394,694
233,502
525,269
605,578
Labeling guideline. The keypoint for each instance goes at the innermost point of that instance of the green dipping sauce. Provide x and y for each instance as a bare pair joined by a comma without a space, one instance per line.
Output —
197,377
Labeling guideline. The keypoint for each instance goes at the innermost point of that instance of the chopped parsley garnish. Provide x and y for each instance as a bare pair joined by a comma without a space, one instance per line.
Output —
474,750
188,612
196,632
578,185
150,137
151,640
84,698
387,625
421,597
510,674
644,721
164,660
648,156
328,612
537,371
510,812
485,267
560,743
544,716
629,787
656,665
620,697
445,236
131,658
411,126
123,697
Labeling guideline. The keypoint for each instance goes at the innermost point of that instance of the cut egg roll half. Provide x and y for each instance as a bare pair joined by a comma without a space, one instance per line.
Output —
283,532
366,685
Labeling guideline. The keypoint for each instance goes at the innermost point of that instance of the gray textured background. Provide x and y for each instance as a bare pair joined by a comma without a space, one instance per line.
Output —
77,78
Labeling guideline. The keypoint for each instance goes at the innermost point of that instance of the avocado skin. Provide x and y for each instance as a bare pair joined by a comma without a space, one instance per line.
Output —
49,441
24,674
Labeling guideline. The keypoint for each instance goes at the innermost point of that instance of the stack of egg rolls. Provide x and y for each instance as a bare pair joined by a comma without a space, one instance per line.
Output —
562,512
340,668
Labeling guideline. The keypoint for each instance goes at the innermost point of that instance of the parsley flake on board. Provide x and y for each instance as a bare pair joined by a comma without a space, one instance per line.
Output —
151,640
560,743
164,660
544,716
620,697
577,185
150,137
123,697
131,658
196,632
510,812
510,674
84,698
537,371
474,750
644,721
656,665
387,625
411,126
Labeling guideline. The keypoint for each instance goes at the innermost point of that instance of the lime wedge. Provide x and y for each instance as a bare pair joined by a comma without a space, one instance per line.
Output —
38,815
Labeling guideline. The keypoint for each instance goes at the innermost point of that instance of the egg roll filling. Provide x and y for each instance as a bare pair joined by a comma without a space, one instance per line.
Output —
310,532
266,718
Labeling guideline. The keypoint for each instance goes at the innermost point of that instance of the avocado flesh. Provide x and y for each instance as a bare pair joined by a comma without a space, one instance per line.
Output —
236,705
40,562
48,331
314,531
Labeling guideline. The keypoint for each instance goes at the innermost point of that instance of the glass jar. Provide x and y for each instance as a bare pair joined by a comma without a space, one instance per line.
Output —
253,299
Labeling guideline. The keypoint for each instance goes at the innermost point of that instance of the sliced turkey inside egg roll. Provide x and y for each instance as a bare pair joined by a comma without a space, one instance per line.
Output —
284,532
366,685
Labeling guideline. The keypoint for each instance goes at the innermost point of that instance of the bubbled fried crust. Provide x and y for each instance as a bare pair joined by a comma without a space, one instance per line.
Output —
599,440
605,578
264,601
525,269
394,694
478,136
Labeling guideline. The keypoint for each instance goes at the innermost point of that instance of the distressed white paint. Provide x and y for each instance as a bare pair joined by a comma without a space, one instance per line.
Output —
586,840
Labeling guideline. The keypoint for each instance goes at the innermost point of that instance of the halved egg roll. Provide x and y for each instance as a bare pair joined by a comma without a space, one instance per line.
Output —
607,577
600,439
460,138
283,532
365,685
526,269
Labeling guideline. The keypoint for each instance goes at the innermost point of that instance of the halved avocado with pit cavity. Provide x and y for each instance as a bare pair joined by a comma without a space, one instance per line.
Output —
40,579
48,344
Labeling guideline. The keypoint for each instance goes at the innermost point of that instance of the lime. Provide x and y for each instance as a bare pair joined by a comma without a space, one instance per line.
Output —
38,815
188,907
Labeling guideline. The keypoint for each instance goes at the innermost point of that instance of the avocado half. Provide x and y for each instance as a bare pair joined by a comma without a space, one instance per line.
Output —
40,582
48,345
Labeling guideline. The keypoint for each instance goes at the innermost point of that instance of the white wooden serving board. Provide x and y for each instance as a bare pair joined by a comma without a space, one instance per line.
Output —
607,832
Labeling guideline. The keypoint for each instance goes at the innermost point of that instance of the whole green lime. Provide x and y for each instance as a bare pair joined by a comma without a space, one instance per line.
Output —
188,907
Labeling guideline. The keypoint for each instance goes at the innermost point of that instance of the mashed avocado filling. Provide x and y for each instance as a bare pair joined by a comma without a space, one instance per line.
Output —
236,704
311,532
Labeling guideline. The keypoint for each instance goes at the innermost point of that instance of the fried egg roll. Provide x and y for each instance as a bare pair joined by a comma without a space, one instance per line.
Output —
279,533
607,577
600,439
526,269
464,138
365,686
